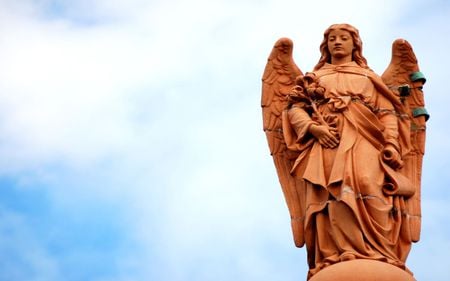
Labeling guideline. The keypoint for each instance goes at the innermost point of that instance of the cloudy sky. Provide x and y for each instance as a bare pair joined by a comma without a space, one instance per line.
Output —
131,143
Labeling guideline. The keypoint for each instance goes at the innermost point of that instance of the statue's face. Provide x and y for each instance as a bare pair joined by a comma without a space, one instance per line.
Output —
340,43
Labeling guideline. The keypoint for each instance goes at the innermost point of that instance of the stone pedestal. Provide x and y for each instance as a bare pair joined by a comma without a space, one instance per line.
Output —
362,270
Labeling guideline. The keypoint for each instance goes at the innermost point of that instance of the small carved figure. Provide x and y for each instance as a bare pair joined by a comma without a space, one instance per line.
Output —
348,146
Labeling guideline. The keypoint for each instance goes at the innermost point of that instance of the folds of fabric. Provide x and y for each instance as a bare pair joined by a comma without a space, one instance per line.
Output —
354,201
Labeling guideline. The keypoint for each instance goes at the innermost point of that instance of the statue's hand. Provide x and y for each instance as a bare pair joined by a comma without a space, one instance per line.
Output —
392,157
327,136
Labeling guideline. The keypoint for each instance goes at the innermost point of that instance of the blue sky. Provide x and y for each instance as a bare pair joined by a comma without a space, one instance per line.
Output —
131,136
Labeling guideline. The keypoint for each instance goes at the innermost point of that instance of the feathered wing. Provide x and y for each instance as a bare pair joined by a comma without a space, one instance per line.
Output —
277,82
404,77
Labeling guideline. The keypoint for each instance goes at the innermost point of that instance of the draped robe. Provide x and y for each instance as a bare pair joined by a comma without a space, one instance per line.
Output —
354,200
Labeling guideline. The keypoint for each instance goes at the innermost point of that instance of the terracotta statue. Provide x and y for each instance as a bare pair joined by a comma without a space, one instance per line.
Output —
348,146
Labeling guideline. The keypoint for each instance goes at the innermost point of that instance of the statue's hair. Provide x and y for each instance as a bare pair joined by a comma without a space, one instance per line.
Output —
357,52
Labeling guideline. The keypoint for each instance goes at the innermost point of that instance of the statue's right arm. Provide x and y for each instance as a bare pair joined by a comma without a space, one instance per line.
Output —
303,124
300,121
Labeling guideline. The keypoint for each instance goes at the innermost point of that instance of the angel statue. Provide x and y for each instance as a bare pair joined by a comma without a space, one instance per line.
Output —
347,145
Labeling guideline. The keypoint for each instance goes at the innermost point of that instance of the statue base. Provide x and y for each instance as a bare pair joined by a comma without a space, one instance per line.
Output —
362,270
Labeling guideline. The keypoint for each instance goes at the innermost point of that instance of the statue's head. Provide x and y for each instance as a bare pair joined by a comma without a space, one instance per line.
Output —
357,52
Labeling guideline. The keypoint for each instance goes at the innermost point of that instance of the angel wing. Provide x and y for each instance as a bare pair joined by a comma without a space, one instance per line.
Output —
277,82
404,77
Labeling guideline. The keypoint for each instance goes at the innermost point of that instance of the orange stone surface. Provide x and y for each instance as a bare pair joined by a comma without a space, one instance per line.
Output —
348,146
362,270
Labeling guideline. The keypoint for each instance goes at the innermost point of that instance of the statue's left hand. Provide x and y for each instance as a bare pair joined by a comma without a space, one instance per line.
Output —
392,157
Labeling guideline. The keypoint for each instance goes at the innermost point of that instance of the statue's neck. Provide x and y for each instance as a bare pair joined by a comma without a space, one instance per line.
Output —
341,60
